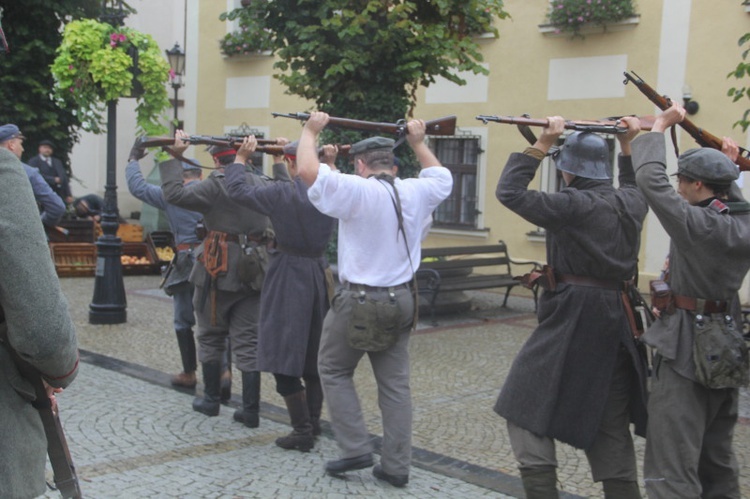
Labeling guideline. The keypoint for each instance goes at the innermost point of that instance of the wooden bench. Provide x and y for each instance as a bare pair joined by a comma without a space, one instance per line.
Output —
453,269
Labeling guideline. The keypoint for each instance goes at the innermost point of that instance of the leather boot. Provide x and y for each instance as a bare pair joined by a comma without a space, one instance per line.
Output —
540,483
209,404
621,489
314,393
226,386
186,343
248,413
301,438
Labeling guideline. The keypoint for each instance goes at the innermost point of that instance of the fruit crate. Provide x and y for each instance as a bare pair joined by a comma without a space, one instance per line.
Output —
161,239
71,231
140,250
74,259
128,233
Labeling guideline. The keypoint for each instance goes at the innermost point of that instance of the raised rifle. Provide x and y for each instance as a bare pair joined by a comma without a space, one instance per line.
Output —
440,126
276,150
66,479
609,125
208,140
701,136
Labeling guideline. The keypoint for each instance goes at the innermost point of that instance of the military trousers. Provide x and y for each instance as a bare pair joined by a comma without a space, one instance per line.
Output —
336,364
236,317
689,438
612,455
182,305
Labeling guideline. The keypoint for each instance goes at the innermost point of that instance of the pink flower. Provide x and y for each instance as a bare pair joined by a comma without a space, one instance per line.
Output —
171,74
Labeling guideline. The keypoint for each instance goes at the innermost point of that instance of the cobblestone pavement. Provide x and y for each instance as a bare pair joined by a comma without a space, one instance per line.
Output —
132,435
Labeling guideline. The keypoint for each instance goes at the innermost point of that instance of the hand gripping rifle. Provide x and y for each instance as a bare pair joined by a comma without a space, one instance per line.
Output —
63,468
701,136
230,141
609,125
440,126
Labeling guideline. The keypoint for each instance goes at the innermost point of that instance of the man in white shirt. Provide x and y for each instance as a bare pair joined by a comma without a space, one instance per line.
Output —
382,220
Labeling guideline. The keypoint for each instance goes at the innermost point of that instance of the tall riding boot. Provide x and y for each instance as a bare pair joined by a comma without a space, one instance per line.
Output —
314,393
621,489
248,413
540,483
226,386
301,437
209,404
186,343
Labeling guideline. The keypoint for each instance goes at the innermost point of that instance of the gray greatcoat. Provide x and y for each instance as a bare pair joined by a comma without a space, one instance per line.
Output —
709,253
689,447
38,327
294,299
236,302
558,384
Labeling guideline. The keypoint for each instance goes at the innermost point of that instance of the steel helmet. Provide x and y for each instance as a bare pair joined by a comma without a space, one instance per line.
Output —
585,154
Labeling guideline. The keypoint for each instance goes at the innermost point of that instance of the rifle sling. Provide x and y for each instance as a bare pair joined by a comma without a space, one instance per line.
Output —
182,158
63,468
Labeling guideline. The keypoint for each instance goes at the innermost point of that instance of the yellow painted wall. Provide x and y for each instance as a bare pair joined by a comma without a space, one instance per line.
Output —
519,62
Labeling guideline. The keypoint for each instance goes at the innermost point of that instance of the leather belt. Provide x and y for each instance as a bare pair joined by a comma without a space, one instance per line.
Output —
235,238
299,252
364,287
700,305
590,282
186,246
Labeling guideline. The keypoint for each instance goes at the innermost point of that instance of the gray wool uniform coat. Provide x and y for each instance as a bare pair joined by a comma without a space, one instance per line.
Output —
38,327
558,384
294,298
709,252
237,305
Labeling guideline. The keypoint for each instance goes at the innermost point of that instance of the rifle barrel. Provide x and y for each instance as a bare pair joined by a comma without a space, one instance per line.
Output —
597,126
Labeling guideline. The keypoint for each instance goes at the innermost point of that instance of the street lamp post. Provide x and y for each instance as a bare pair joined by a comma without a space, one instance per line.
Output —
176,58
108,306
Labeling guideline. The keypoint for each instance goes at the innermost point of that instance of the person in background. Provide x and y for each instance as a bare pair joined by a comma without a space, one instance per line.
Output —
52,170
294,298
47,340
227,277
382,221
182,224
50,205
693,405
580,378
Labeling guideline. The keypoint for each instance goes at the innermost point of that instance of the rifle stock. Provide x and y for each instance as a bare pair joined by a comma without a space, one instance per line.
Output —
441,126
611,125
701,136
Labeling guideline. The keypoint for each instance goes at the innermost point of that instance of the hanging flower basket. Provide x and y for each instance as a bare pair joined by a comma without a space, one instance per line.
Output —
97,62
572,16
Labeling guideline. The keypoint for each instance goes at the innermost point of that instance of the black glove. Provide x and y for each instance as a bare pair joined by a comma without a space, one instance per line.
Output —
138,151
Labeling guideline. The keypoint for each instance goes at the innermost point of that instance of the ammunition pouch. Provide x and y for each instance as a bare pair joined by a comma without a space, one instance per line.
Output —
544,277
661,296
719,352
178,275
374,325
253,264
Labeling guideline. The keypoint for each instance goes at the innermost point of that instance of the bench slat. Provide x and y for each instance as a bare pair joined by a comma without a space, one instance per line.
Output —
463,250
465,263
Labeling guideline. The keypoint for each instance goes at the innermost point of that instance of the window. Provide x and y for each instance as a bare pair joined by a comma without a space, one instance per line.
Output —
460,154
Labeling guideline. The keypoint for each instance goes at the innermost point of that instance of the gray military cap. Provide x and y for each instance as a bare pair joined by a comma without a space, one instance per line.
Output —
371,144
9,131
708,165
188,166
290,149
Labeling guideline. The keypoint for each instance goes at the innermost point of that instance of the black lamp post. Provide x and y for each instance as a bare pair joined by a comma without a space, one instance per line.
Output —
176,58
108,305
